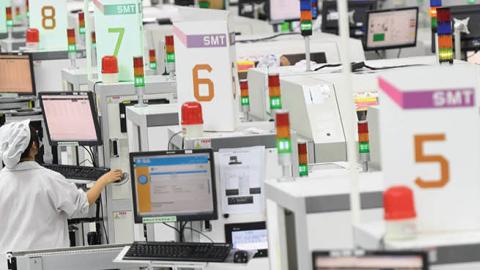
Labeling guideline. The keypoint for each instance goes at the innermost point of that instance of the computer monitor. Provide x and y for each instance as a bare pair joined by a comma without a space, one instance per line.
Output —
16,74
392,29
357,12
250,236
470,41
171,186
374,260
70,117
283,10
184,2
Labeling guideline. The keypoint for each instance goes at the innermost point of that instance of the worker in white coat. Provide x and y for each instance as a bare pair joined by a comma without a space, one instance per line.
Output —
35,202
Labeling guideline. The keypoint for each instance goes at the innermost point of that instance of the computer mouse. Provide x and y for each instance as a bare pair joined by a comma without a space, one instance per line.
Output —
240,256
123,179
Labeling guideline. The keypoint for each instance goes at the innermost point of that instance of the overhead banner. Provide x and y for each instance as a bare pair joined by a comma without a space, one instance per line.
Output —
119,32
50,18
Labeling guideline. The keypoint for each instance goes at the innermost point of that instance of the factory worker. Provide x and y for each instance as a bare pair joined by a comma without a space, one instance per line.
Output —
35,202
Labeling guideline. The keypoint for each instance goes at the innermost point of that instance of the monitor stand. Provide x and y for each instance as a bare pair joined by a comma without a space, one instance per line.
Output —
9,97
12,98
189,231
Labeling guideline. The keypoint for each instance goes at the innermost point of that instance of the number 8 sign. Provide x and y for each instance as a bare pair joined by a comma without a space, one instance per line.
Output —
50,18
429,141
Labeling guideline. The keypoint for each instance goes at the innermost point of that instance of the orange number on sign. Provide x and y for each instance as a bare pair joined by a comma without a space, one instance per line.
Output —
421,157
48,17
197,82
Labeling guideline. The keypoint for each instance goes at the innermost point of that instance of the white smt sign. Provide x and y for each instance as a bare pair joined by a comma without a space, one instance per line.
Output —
206,72
50,18
430,134
119,32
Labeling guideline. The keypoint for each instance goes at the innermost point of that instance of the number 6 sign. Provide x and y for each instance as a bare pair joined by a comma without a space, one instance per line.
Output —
205,71
50,18
429,141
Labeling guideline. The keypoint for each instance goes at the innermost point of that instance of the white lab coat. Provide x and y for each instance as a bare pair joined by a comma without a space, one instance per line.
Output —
35,203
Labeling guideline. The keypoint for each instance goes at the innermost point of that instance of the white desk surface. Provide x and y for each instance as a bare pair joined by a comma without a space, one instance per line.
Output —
253,264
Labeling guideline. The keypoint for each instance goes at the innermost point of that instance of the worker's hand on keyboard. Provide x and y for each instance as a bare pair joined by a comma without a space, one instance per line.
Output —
111,176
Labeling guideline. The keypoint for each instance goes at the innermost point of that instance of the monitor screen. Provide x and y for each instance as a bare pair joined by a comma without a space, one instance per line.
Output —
16,74
248,236
173,186
392,29
70,117
469,15
371,261
357,14
284,10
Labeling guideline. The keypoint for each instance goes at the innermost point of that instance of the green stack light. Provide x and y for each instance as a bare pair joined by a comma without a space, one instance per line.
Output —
274,92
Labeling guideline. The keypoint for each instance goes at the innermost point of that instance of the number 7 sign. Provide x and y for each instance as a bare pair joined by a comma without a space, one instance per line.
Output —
119,32
429,141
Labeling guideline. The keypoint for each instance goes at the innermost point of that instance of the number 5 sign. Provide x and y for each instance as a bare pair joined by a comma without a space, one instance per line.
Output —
205,71
50,18
430,134
119,32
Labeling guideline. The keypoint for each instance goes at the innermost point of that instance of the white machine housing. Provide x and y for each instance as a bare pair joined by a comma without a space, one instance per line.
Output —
111,98
295,44
315,115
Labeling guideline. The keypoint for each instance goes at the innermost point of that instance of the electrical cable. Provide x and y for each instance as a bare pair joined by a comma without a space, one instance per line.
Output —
90,154
341,122
188,228
267,38
95,156
171,138
390,67
85,161
472,55
172,227
200,233
103,222
327,66
357,66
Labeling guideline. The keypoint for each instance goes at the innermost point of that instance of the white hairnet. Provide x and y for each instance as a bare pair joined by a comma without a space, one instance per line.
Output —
14,140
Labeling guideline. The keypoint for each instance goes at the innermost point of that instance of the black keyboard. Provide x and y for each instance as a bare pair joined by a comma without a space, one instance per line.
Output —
186,252
78,172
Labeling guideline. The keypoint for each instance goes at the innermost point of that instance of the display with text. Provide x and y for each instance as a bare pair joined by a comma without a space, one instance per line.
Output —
173,186
392,28
16,74
70,118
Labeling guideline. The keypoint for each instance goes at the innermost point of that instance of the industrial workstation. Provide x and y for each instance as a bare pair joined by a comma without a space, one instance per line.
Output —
239,134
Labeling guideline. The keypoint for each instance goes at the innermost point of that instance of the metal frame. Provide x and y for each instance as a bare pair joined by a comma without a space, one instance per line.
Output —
93,258
155,85
281,196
